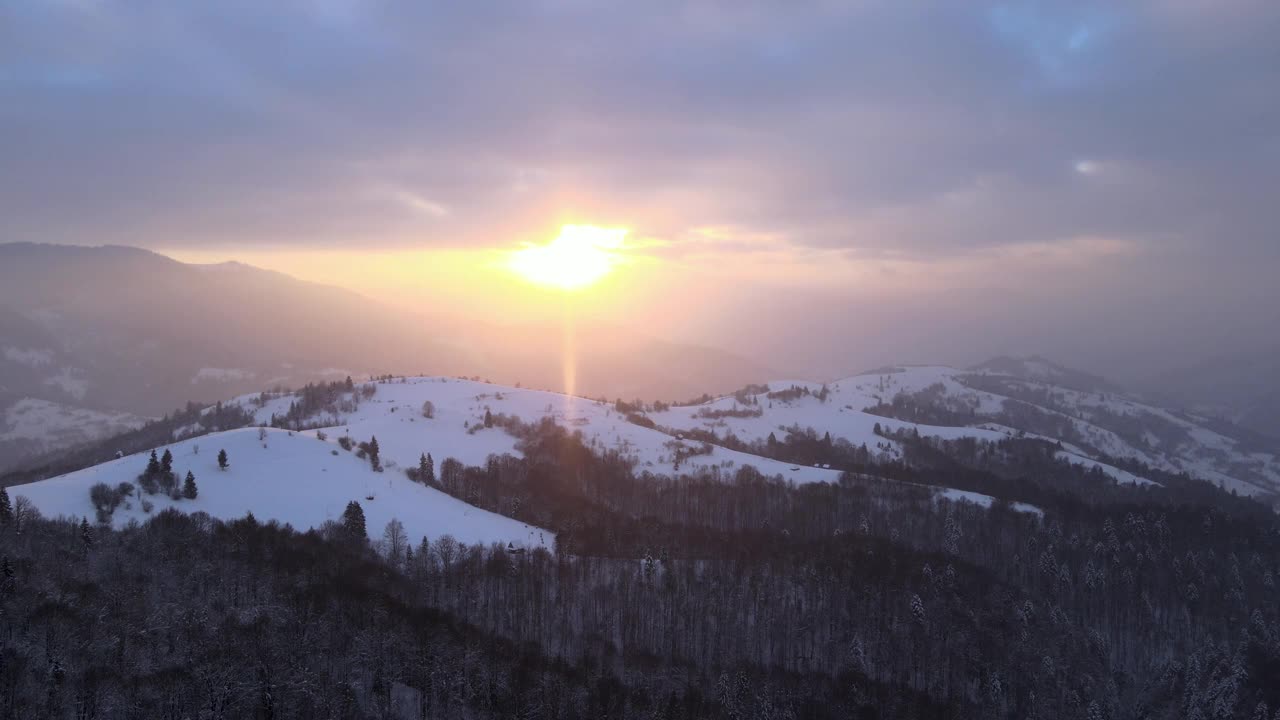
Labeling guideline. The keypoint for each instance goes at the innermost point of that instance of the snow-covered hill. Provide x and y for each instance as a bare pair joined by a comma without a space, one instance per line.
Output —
299,479
987,404
289,477
394,415
296,477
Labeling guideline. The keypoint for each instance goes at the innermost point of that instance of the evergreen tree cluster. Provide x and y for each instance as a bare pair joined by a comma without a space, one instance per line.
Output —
317,405
425,473
158,477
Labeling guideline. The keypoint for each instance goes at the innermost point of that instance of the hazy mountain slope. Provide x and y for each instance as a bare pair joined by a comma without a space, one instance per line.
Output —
609,362
1042,370
137,328
30,427
1093,424
115,328
1243,387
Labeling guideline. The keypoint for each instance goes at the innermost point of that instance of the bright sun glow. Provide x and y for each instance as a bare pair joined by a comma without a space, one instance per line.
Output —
579,256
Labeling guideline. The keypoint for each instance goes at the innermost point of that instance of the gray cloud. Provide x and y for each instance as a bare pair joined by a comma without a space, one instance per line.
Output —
872,126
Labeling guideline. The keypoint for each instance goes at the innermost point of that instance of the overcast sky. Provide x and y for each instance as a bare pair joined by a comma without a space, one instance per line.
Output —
1097,181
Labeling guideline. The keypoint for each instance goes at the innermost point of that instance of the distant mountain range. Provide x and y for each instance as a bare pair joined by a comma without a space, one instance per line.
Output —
127,332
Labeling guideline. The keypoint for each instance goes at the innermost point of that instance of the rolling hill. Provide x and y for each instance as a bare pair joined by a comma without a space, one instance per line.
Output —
288,477
300,471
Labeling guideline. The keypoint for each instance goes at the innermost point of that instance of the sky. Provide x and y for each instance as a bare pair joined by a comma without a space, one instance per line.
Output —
823,185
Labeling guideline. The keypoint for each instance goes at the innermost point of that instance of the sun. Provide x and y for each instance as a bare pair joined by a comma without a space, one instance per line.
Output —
578,257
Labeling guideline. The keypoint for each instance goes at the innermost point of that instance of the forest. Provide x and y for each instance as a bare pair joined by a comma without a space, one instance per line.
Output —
734,596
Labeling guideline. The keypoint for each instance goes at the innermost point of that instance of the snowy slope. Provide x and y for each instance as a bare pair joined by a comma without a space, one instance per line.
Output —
297,479
841,414
1176,443
292,478
1172,441
1104,421
394,416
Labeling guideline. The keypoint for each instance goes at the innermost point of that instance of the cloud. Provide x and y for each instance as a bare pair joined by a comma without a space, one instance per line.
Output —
876,128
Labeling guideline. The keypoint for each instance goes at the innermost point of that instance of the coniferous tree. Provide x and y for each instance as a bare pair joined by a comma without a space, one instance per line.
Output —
150,477
6,508
353,522
222,460
426,470
86,533
189,489
373,453
168,481
488,418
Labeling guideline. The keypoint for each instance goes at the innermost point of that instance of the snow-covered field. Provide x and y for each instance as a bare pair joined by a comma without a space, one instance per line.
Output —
292,478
